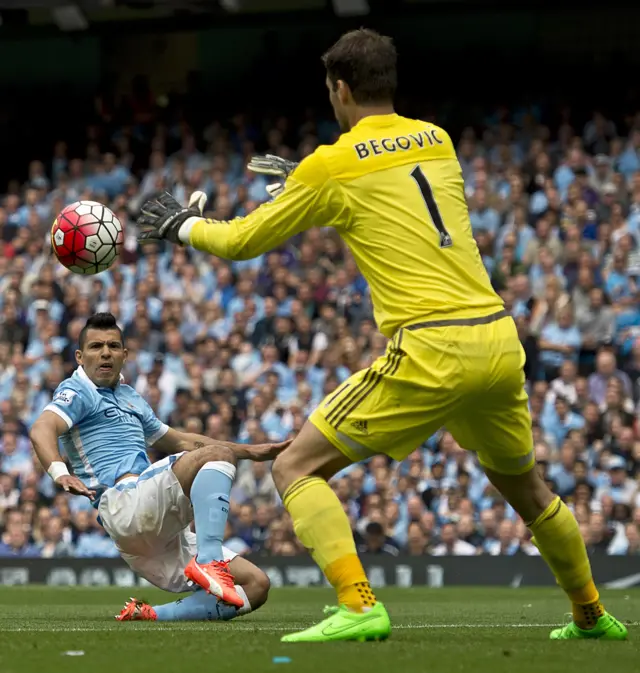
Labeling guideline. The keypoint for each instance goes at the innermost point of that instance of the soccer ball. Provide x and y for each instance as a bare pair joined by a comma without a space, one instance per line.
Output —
87,237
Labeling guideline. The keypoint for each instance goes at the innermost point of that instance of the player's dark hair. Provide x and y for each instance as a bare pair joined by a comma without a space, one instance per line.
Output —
366,61
101,321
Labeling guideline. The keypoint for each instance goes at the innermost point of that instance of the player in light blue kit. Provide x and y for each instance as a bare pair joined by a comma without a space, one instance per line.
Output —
105,428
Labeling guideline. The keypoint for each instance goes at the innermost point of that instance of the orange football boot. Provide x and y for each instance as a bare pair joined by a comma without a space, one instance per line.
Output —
216,579
135,610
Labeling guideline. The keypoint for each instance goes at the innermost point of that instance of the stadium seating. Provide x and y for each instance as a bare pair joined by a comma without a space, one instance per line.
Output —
244,351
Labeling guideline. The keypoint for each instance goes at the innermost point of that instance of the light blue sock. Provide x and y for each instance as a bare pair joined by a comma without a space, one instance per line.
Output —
199,606
210,498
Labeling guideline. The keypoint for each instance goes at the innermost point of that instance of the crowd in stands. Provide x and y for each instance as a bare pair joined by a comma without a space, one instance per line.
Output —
244,351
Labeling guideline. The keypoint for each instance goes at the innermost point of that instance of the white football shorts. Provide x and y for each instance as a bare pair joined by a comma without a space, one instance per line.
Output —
148,517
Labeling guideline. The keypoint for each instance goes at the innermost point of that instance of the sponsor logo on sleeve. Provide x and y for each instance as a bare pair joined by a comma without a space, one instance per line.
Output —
64,397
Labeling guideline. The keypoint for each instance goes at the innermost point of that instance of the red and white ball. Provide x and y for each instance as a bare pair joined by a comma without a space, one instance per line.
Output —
87,237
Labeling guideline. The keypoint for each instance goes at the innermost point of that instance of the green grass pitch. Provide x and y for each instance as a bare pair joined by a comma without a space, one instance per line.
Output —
435,631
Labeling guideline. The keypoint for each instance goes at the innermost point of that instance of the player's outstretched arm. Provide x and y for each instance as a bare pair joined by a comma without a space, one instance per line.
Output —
259,452
174,441
44,437
310,199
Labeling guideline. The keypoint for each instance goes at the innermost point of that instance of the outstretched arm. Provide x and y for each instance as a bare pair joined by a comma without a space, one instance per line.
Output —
294,210
44,437
311,198
174,441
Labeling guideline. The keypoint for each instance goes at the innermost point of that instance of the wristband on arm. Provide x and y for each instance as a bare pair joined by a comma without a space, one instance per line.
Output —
57,469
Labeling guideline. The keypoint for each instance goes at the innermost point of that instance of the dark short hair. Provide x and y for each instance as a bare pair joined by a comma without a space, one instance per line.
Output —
99,321
374,528
366,61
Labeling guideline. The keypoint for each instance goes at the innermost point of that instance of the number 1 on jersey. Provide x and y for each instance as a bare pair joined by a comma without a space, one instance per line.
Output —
432,206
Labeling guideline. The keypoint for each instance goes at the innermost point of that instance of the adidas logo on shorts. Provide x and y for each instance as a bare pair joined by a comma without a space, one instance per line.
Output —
360,426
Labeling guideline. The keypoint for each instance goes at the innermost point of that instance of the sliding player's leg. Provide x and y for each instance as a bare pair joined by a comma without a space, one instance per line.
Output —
196,607
206,476
252,585
495,423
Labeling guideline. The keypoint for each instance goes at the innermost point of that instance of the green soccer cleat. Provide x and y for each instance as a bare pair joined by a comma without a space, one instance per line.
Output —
342,624
607,628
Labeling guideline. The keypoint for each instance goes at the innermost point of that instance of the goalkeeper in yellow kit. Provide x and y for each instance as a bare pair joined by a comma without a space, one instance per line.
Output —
392,187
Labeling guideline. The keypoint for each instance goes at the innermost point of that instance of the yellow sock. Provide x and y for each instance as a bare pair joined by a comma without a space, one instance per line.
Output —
586,606
558,538
323,528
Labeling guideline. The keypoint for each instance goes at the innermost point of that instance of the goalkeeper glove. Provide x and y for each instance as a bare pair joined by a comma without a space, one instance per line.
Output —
270,164
162,218
198,200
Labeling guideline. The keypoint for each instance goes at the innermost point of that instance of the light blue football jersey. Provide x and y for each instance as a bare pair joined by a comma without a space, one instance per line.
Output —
109,430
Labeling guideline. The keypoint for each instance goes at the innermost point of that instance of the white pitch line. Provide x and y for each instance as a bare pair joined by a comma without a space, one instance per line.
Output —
272,629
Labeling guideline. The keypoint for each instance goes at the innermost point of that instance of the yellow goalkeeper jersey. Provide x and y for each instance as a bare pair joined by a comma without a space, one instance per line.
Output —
392,187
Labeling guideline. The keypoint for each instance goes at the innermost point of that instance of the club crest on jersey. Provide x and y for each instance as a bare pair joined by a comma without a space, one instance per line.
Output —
64,397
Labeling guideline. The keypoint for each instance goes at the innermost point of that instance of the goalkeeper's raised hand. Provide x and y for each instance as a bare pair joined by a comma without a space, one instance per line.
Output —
270,164
163,217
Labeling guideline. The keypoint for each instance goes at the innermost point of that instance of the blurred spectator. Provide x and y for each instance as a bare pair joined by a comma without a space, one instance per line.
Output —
451,545
605,370
256,485
17,543
376,542
9,494
559,341
52,544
